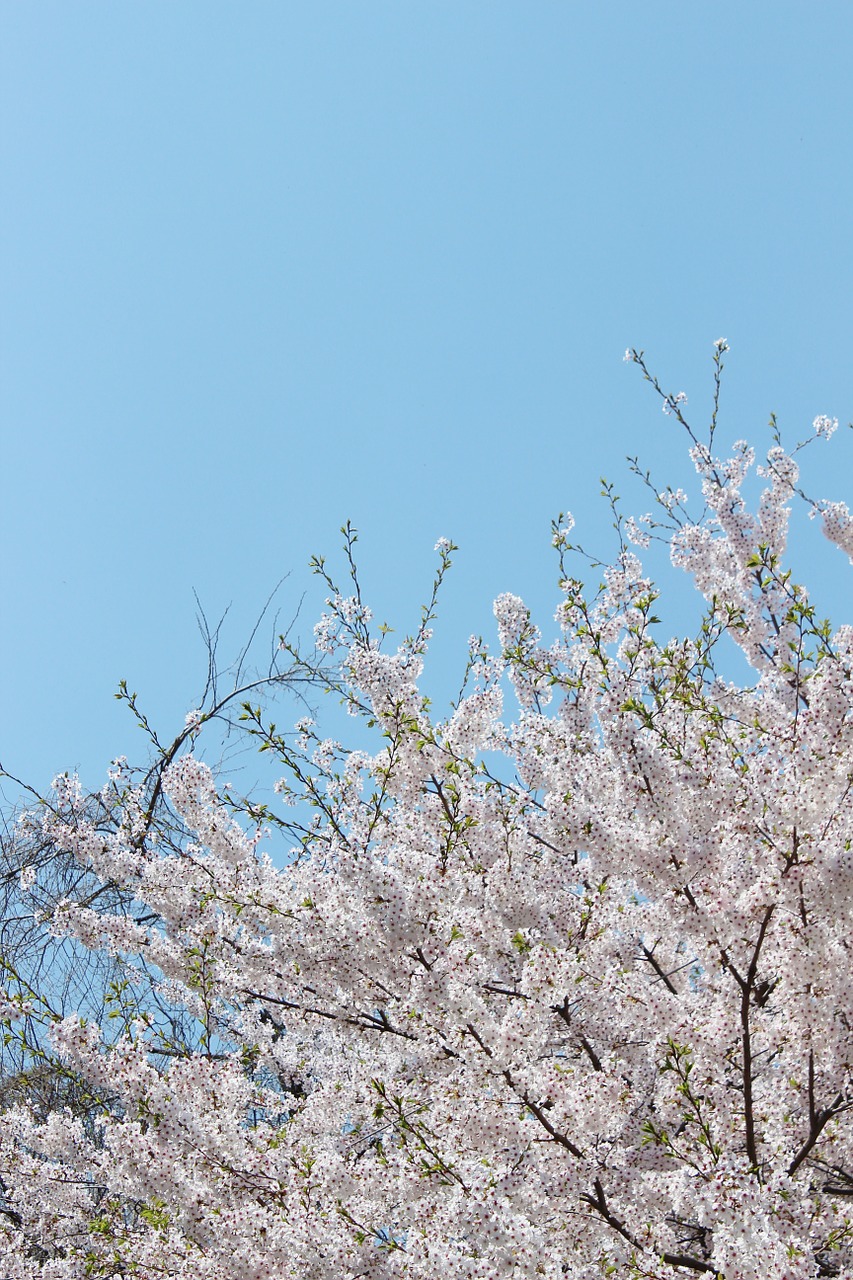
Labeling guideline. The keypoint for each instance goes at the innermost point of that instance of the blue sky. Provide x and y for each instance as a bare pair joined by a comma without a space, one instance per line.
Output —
267,267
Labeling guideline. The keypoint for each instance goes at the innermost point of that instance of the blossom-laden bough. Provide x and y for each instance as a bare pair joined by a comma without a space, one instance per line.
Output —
559,993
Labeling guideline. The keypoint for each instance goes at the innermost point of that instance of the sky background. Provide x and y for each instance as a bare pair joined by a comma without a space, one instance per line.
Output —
268,267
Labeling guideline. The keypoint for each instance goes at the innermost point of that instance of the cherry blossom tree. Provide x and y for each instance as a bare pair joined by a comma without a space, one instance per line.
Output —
556,986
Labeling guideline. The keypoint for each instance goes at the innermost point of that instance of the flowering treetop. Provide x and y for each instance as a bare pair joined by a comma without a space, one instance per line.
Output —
558,986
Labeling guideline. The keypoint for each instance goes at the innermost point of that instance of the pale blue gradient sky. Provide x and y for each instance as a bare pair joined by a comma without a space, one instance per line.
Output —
269,266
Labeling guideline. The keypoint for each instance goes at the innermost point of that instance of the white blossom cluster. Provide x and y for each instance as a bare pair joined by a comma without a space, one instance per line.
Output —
582,1013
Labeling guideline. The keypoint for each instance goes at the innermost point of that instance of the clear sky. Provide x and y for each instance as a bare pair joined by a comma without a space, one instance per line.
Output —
270,266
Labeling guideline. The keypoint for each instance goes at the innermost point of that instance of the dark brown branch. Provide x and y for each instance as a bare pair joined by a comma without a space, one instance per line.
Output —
747,986
684,1260
591,1054
536,1110
818,1118
563,1011
533,1107
664,977
362,1021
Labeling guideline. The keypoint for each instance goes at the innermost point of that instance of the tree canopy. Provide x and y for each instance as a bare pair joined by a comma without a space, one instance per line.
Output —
556,986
